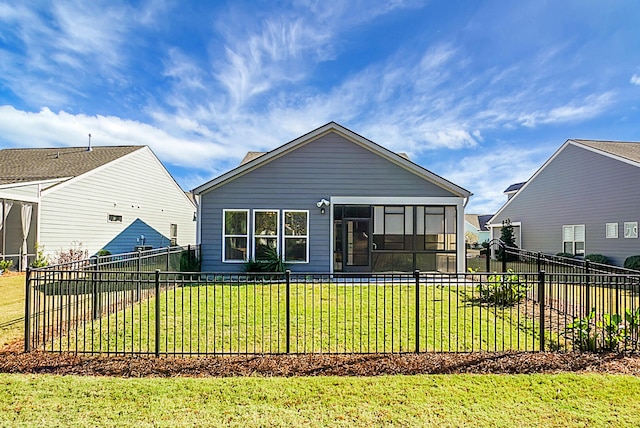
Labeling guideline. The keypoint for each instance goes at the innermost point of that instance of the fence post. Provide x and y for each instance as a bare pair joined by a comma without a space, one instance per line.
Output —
288,306
504,257
168,257
416,275
539,261
487,258
587,286
27,311
94,289
157,321
541,297
138,276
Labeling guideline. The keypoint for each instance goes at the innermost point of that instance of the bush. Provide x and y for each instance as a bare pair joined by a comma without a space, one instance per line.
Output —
597,258
41,260
503,289
632,262
103,252
566,255
272,263
5,265
189,261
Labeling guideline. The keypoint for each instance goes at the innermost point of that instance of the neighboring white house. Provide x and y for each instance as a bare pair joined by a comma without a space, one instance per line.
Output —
116,198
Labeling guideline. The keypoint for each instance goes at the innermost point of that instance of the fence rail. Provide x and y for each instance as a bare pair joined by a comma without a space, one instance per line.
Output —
178,313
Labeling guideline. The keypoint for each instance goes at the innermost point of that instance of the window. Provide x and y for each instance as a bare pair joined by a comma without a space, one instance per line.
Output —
173,234
114,218
630,229
612,230
438,224
265,234
296,236
393,228
235,235
573,239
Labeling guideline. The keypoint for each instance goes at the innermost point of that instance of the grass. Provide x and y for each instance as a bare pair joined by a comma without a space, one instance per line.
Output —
11,308
562,400
335,318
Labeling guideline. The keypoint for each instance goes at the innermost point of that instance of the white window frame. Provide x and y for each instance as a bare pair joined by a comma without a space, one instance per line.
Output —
611,230
256,236
173,234
573,241
630,229
224,236
285,237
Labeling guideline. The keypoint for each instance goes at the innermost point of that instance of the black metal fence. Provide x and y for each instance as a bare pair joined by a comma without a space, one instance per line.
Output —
177,313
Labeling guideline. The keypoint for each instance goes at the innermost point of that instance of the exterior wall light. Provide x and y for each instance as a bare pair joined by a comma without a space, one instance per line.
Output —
322,203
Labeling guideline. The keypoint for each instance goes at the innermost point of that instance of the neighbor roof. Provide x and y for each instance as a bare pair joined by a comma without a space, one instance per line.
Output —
259,160
515,187
26,165
627,150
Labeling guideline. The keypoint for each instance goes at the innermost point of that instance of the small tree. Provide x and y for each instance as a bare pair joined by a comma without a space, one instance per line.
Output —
508,240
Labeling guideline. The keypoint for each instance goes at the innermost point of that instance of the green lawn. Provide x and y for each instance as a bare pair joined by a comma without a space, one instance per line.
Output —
334,318
11,308
563,400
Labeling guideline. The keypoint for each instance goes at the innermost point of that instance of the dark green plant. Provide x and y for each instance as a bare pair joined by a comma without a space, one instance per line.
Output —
508,240
5,265
103,252
271,262
565,255
632,262
503,289
597,258
189,261
614,330
41,260
583,332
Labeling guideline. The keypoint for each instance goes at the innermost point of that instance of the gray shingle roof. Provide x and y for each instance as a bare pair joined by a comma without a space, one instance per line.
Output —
628,150
24,165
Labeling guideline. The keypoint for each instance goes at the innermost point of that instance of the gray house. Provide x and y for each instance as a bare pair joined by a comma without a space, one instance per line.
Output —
582,201
332,201
117,198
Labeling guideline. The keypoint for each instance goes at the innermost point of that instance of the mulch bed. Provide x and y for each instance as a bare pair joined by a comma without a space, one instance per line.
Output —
12,360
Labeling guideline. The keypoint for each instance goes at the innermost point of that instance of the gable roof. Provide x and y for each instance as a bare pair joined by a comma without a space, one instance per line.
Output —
262,159
28,165
624,151
514,187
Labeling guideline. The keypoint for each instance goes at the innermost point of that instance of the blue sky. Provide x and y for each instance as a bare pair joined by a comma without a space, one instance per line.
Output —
481,93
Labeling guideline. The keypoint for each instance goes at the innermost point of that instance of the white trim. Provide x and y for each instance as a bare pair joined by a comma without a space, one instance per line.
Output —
21,198
31,183
254,236
346,133
396,200
632,227
614,230
573,241
224,236
284,236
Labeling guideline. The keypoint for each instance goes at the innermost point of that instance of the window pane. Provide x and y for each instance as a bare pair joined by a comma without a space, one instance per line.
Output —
235,222
390,262
357,211
578,233
266,248
235,249
568,247
266,223
394,224
450,219
295,249
295,223
567,233
579,247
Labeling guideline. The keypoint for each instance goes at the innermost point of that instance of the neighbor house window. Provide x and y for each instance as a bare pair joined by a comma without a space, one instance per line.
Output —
265,234
630,229
612,230
235,235
296,236
173,234
573,239
114,218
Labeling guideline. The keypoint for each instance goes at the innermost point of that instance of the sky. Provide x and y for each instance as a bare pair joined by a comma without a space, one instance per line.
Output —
479,92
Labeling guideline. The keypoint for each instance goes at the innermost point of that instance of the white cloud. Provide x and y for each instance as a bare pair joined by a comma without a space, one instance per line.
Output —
635,79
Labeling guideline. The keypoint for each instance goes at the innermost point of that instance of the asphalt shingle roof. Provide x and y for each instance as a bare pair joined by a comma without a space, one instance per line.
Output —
628,150
24,165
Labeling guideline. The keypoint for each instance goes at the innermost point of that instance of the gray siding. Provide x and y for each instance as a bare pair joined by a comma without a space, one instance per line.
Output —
327,167
578,187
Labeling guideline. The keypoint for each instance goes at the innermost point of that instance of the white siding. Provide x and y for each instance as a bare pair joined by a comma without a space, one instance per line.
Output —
137,187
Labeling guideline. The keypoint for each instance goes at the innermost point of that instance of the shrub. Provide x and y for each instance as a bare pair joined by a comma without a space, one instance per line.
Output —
41,260
503,289
189,261
632,262
75,253
566,255
5,265
272,263
597,258
103,252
